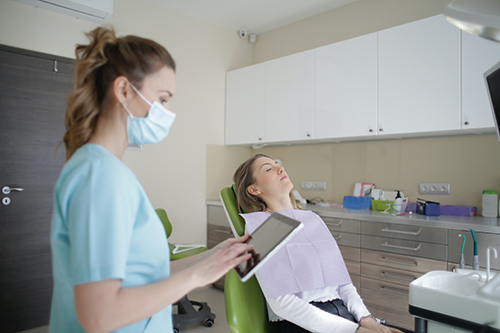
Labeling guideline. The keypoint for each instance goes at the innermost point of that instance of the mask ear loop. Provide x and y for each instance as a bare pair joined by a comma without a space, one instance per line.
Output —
144,98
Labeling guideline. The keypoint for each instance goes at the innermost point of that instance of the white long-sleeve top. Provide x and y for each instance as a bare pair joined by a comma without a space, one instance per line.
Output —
295,308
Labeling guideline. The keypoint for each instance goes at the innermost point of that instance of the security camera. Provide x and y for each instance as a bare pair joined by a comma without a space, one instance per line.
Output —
242,33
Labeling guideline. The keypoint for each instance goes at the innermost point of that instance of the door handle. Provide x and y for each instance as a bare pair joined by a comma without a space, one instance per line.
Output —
7,189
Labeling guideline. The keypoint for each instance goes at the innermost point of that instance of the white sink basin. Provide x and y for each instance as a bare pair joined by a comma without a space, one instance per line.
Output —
455,295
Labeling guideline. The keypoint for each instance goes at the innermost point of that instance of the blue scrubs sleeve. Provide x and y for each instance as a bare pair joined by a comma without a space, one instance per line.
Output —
101,224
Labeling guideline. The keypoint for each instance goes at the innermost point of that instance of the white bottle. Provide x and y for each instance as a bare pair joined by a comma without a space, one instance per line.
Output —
398,203
490,203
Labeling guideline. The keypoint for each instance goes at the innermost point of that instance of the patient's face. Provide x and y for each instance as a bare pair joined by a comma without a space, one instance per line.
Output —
270,178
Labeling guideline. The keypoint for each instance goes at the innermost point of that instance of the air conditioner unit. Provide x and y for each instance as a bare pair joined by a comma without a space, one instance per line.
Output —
92,10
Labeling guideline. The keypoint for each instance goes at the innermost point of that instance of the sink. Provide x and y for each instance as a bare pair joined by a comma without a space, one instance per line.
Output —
455,295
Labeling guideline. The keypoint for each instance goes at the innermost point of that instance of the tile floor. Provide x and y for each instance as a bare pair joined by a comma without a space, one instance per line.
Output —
214,298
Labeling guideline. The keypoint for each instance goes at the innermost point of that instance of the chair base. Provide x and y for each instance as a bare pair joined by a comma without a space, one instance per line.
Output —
188,314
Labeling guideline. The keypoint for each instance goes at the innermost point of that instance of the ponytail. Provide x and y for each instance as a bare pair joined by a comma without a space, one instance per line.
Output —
98,64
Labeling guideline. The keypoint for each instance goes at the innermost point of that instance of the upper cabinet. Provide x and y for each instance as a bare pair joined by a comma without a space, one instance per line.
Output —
478,55
290,98
346,88
245,105
419,77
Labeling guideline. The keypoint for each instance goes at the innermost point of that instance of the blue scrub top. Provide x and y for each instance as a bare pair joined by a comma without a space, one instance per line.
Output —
104,227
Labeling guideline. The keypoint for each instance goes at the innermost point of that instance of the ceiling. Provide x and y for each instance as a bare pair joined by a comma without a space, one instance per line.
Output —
256,16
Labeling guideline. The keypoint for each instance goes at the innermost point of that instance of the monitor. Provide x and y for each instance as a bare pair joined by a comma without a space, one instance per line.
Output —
492,79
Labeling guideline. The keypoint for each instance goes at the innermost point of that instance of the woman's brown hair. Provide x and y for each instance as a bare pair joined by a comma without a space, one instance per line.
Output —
243,177
98,64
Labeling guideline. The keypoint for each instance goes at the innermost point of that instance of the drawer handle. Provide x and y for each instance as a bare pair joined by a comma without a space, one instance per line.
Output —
393,291
384,274
338,224
337,238
222,231
402,247
403,232
414,264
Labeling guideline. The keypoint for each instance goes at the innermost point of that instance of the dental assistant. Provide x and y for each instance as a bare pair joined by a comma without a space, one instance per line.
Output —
111,263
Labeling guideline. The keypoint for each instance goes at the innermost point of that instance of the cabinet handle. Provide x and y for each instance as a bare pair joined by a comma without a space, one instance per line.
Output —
338,224
337,238
413,264
393,291
380,129
466,123
370,130
403,232
384,274
386,244
308,135
222,231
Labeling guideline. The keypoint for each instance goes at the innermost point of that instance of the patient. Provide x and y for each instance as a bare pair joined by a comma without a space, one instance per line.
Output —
306,284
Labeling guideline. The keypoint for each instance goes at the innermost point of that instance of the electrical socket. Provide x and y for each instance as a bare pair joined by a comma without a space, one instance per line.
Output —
313,186
434,188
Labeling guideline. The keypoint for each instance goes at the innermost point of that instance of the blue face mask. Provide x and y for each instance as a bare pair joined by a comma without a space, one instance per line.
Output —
151,129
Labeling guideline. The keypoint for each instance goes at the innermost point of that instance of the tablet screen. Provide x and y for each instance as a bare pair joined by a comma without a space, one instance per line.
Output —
266,240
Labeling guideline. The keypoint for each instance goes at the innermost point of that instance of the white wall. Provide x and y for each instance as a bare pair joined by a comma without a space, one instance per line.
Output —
173,172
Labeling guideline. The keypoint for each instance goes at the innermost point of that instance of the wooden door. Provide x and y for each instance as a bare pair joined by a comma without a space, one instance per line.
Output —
33,93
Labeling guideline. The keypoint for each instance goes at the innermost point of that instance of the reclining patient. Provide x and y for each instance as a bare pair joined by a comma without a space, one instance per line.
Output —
306,284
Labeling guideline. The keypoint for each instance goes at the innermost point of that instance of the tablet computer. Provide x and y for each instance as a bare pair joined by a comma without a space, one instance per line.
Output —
267,239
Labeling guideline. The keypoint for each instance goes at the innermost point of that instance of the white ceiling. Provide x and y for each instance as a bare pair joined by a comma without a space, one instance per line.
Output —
256,16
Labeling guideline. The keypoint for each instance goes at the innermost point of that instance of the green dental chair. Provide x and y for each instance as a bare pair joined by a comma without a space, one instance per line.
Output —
246,308
186,311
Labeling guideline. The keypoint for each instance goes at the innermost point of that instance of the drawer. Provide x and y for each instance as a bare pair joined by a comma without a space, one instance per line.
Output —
387,300
218,233
345,225
350,253
347,239
483,241
402,262
353,267
401,231
407,247
387,274
217,216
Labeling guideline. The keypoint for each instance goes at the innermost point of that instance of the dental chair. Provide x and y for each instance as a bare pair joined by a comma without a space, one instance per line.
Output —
186,311
246,308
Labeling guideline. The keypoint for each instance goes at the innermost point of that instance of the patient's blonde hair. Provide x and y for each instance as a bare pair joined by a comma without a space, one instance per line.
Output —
98,64
243,178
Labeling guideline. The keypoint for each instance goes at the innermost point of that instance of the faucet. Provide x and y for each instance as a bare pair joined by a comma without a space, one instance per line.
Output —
488,249
489,288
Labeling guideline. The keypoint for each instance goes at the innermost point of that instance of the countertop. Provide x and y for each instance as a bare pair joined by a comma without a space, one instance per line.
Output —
478,223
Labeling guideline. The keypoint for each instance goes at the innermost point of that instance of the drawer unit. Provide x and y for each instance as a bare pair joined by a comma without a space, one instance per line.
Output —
347,239
218,233
483,241
387,300
401,262
343,225
402,231
406,247
217,216
351,257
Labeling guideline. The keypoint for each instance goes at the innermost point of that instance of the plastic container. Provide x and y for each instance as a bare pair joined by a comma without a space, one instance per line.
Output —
352,202
490,203
381,204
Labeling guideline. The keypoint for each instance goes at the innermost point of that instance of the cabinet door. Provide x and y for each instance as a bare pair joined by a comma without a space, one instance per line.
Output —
419,81
290,98
245,105
346,88
478,55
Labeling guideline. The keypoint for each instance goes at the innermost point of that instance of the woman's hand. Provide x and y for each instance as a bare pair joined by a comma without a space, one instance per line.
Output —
370,325
223,257
230,241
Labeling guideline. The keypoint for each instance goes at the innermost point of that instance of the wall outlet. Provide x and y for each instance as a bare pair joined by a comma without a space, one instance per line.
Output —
313,186
434,188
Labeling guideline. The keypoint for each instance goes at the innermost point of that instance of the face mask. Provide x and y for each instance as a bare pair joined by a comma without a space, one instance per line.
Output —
151,129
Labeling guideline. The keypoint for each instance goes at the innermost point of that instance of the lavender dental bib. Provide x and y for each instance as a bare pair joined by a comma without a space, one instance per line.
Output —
309,261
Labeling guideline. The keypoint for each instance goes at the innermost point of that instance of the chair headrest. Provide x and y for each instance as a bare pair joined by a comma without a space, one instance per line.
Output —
228,198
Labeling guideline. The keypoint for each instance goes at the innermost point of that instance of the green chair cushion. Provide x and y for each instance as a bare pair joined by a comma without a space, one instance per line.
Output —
229,197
